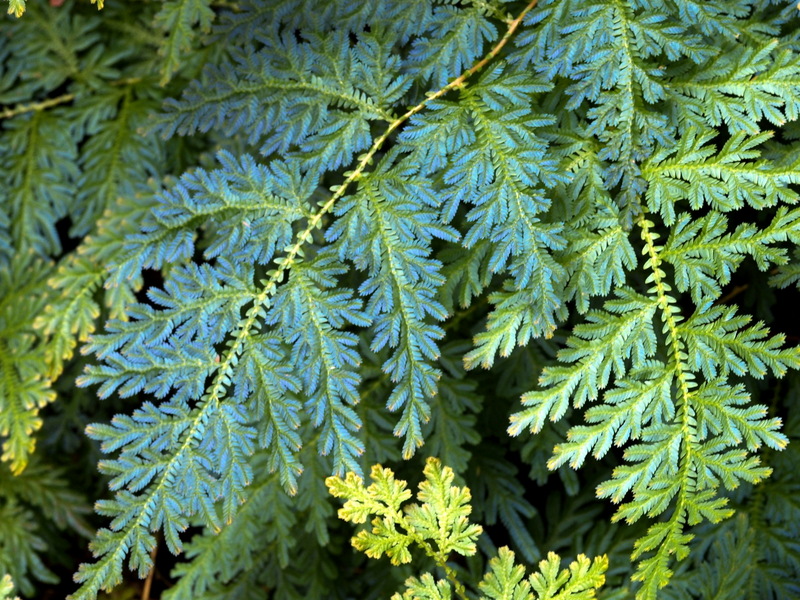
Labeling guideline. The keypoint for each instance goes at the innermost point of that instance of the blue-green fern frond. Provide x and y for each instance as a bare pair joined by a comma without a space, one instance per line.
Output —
387,228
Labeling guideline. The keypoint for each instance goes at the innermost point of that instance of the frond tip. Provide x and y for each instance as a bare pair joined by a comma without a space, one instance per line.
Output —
6,588
16,7
580,581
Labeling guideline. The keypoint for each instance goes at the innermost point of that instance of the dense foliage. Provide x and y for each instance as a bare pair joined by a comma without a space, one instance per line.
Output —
543,255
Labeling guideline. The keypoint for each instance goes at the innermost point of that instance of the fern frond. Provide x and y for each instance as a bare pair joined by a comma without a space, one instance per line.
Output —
44,487
622,332
704,253
500,173
453,43
722,342
788,274
763,534
310,314
32,504
500,498
608,52
21,547
116,156
440,518
688,433
179,21
726,180
425,588
24,387
452,424
740,87
283,94
210,560
272,389
388,227
239,200
38,180
597,261
68,49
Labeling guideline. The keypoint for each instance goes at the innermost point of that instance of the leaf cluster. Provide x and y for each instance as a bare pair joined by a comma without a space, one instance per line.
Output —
441,518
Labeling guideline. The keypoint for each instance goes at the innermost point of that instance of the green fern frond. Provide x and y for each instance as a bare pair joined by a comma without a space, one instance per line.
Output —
32,505
425,588
24,386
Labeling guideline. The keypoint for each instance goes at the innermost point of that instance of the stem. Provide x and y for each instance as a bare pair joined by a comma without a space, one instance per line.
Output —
441,561
21,109
458,587
674,343
148,583
732,294
36,106
688,431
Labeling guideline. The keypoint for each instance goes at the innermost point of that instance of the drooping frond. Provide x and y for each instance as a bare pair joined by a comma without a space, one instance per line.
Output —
387,228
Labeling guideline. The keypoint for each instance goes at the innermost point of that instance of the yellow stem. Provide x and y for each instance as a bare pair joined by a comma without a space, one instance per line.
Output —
21,109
